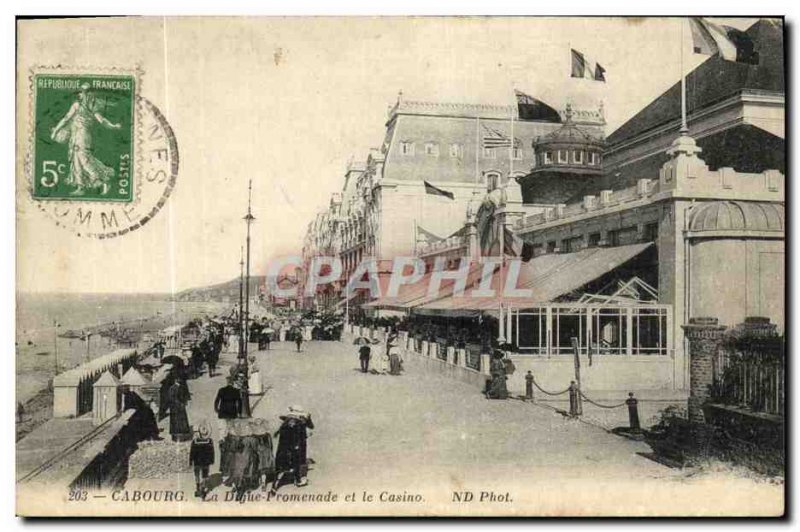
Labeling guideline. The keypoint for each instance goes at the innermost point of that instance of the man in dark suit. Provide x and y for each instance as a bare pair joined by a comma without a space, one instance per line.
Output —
364,353
228,405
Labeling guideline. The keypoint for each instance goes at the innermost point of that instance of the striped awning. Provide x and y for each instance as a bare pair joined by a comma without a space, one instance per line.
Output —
548,277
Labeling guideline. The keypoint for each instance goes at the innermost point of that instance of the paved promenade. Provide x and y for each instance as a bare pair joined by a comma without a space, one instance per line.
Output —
428,435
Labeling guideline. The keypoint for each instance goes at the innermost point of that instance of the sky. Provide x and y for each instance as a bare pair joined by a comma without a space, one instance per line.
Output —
287,102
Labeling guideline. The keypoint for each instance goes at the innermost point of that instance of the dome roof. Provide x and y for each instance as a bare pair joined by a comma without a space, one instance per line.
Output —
569,134
738,216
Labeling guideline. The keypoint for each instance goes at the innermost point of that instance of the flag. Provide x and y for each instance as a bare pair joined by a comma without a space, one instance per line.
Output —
436,191
582,68
731,44
427,236
532,109
492,138
516,246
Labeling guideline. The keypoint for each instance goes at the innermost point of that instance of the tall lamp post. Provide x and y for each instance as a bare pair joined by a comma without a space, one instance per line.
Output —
249,218
241,303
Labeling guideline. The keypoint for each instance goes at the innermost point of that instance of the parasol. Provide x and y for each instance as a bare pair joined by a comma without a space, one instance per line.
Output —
363,340
175,360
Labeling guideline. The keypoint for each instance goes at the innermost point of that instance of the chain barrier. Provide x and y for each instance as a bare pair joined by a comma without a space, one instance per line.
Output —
546,392
602,406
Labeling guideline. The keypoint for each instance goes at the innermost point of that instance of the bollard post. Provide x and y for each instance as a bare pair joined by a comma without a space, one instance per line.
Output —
574,400
529,386
633,412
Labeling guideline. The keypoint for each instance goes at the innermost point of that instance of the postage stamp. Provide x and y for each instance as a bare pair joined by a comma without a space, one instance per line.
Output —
84,137
103,159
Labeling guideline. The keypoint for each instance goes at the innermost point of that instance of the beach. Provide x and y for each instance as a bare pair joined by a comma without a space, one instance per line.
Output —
41,318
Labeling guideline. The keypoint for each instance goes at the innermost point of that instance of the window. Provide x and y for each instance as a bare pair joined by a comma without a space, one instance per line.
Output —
563,156
492,180
571,245
517,153
456,151
651,232
594,240
489,153
577,156
621,237
432,149
551,246
407,148
548,157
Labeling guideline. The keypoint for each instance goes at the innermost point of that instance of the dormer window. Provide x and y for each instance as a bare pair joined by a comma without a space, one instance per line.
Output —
577,156
407,147
548,157
563,157
592,158
432,149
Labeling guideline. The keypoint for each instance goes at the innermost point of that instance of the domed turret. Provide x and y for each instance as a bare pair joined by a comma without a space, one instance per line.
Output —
567,160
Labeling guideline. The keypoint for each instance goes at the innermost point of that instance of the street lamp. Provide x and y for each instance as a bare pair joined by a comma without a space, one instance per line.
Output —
249,218
56,325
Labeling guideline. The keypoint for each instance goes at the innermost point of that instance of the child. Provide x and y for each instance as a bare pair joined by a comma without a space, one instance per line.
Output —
201,456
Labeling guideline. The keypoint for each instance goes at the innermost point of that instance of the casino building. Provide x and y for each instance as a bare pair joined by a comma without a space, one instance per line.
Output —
632,234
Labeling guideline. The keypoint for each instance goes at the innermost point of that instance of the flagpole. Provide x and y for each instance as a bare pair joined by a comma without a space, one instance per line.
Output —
511,147
477,148
684,122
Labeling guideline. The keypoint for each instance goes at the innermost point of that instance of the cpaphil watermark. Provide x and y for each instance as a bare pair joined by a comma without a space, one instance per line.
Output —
487,277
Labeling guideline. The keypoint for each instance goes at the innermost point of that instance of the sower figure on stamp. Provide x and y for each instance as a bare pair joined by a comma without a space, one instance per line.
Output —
291,459
75,129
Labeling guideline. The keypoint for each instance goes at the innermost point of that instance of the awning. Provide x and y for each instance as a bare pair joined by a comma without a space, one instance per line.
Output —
548,277
414,295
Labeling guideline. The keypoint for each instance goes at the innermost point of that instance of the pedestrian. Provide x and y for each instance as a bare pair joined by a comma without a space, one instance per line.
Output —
213,356
201,457
244,459
227,405
497,388
298,339
291,458
266,459
364,353
266,339
395,362
177,399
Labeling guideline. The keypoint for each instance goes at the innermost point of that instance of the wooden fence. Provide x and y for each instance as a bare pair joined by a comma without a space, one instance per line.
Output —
750,372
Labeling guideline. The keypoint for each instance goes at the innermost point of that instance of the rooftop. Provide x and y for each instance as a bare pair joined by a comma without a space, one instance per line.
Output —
714,80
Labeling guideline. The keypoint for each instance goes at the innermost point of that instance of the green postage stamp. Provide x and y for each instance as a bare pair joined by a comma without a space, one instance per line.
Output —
84,137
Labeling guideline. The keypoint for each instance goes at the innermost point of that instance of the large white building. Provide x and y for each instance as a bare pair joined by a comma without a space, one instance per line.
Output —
384,208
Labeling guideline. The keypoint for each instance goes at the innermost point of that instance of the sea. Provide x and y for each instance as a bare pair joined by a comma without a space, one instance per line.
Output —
41,318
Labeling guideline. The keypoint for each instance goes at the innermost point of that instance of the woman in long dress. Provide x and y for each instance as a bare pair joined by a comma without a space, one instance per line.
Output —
395,362
291,457
177,399
497,368
75,129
